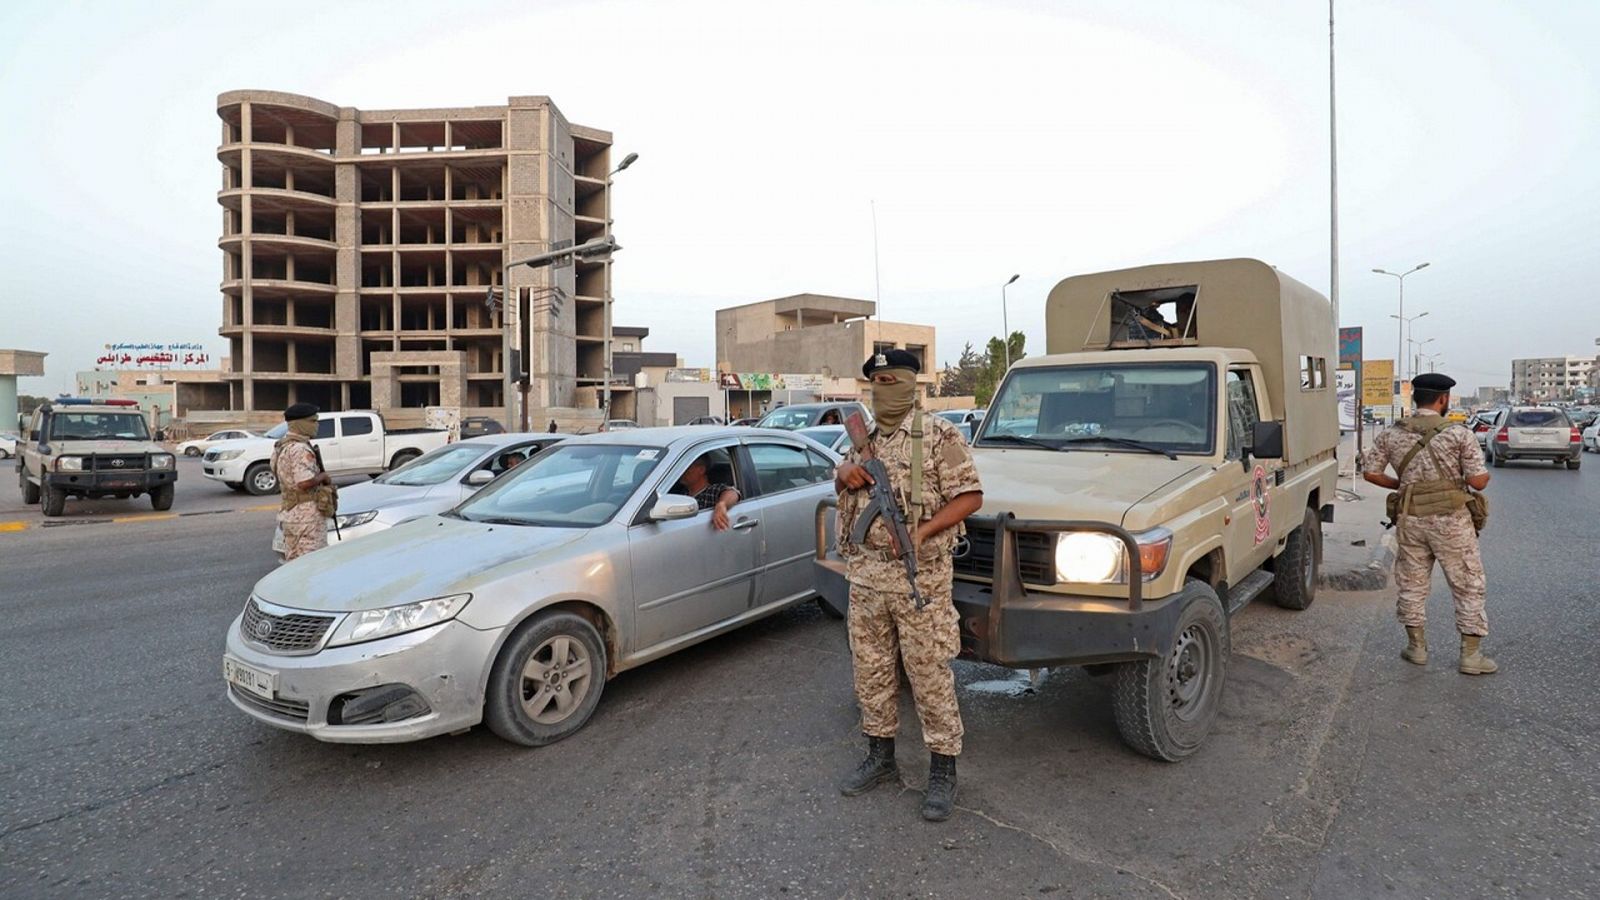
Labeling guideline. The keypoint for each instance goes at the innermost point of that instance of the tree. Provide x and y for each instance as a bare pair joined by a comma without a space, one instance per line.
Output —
994,367
961,379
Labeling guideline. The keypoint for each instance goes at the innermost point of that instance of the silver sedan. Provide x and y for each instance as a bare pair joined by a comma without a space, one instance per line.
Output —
515,607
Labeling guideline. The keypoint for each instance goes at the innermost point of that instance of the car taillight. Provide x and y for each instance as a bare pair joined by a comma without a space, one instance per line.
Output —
1504,435
1575,437
1480,428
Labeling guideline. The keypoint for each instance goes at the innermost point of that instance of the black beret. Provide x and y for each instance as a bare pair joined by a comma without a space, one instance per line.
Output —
1433,381
300,411
890,359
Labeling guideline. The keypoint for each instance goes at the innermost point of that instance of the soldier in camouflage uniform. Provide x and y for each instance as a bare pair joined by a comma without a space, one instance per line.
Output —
884,621
309,498
1433,522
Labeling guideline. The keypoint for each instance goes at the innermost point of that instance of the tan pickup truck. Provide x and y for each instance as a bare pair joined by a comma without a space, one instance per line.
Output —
1168,460
78,447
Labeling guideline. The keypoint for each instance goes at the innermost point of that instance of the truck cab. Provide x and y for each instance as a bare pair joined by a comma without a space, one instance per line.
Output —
77,447
1168,460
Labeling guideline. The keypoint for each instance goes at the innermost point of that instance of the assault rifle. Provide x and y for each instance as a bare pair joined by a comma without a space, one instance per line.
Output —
321,467
884,504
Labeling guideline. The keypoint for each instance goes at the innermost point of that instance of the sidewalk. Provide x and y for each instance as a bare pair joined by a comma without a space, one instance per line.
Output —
1357,551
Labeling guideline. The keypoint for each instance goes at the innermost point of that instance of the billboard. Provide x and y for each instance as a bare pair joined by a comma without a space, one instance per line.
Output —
1345,380
1377,382
1350,347
153,356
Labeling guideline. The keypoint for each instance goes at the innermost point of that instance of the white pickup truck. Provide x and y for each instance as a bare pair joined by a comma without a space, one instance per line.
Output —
351,443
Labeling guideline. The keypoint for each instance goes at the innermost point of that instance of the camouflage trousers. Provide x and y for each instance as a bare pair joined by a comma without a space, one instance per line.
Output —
1451,542
304,530
885,624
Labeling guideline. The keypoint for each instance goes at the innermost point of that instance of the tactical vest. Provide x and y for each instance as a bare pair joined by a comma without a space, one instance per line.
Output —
292,495
1437,497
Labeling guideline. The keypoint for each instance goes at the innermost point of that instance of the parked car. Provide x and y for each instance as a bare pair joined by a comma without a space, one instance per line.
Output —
1535,432
515,607
8,445
1591,437
478,426
833,437
805,415
961,416
352,443
432,483
201,445
746,422
705,420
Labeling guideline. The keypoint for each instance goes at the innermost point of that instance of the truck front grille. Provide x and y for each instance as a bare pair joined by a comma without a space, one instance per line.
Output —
1035,554
118,463
294,633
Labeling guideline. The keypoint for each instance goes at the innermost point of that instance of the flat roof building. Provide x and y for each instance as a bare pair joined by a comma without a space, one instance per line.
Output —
815,334
1552,377
358,247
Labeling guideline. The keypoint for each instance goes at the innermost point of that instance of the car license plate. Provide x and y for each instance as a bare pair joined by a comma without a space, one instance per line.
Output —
257,681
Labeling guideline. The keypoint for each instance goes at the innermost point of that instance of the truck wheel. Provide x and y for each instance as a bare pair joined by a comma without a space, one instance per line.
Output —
161,497
1164,707
1294,584
260,479
1574,462
55,501
403,457
30,491
547,680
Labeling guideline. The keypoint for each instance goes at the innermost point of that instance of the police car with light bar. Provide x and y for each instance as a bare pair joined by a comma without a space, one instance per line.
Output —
79,447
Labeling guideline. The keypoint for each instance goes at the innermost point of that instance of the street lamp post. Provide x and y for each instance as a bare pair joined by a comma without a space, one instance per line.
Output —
605,390
1406,322
1005,323
1417,354
1400,330
600,246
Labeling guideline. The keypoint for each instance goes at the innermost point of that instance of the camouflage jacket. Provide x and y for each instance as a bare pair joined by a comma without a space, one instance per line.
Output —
1455,447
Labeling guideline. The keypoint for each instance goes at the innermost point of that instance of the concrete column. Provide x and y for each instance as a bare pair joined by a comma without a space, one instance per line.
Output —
347,258
246,264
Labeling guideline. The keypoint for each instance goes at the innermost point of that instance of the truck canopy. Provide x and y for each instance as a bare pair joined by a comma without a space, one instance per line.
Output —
1227,303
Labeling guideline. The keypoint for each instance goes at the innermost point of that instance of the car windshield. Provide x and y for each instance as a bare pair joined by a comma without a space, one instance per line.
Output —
73,426
1538,418
434,467
955,416
1166,406
567,486
792,417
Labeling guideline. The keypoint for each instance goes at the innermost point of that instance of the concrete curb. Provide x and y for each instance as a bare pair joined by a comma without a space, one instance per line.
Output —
19,525
1369,575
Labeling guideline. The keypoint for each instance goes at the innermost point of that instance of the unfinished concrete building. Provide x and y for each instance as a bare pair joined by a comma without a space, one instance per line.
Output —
358,247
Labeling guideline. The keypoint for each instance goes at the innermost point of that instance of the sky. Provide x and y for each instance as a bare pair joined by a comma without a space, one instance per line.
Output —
987,139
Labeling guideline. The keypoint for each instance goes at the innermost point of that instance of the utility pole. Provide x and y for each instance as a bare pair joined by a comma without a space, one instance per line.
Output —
1333,186
1400,328
1005,324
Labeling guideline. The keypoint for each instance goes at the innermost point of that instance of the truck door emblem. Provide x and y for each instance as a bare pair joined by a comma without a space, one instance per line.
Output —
1258,488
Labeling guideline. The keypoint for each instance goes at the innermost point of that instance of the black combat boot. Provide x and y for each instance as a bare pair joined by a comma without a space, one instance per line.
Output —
877,768
941,798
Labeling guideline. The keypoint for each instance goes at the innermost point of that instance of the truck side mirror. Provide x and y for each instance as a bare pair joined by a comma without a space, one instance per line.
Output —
1266,440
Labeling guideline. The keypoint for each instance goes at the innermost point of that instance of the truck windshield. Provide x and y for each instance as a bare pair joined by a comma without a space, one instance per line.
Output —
1169,406
74,426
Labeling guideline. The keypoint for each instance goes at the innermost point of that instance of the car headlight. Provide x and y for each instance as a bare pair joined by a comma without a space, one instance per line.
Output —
354,519
69,464
225,455
161,461
371,624
1088,557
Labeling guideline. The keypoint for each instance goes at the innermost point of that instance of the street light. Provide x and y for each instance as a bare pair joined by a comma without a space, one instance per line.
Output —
1400,331
1005,325
1416,354
605,390
1407,320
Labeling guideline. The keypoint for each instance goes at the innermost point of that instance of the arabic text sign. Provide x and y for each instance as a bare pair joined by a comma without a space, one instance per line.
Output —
153,356
1345,379
1377,382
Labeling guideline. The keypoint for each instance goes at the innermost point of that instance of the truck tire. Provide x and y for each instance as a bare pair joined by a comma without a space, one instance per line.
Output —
1294,583
403,457
259,479
1574,462
161,497
30,491
1165,707
54,501
538,669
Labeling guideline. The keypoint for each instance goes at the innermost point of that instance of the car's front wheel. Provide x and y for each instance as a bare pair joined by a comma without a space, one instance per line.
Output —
1164,707
260,479
547,680
54,501
191,451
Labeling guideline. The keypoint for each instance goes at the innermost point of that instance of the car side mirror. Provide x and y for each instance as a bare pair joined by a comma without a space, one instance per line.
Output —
480,478
671,507
1266,440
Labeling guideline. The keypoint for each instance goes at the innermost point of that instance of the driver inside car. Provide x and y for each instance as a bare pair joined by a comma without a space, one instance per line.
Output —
717,497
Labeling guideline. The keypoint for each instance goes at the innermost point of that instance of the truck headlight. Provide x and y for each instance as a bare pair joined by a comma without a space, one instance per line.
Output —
225,455
69,464
354,519
161,461
371,624
1088,557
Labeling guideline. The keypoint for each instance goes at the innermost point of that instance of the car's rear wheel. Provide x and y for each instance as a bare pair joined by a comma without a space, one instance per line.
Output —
1294,582
1165,706
1496,460
1574,462
403,457
30,491
260,479
161,497
547,680
54,501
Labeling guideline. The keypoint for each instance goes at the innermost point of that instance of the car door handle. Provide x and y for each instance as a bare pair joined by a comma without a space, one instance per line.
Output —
746,524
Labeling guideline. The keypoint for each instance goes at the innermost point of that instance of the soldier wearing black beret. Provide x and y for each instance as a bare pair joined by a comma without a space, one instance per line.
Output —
309,497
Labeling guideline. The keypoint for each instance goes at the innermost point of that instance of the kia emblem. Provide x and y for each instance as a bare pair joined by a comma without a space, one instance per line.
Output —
263,629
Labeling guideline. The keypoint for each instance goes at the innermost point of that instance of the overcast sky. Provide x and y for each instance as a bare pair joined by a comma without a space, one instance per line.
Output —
1046,139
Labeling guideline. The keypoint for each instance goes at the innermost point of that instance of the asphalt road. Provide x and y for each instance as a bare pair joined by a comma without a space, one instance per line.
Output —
1336,770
